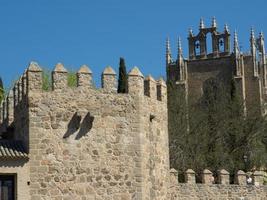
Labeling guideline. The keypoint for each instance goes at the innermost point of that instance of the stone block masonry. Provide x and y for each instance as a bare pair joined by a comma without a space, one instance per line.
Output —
219,188
88,143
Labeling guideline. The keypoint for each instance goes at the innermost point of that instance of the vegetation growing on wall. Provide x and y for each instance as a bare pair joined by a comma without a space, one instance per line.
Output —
47,83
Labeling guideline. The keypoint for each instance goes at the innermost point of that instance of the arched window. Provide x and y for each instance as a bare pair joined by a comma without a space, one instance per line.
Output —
197,48
221,45
209,43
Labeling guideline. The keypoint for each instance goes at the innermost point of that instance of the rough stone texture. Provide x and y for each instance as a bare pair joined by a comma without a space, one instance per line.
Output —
224,177
221,189
173,177
207,177
21,169
217,191
258,178
241,178
109,82
190,176
59,77
150,87
87,143
84,76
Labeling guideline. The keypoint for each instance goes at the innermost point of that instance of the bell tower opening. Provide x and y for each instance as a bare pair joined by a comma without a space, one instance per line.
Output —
221,45
209,43
197,48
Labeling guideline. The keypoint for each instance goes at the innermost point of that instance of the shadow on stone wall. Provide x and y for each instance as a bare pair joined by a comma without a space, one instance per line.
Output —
86,126
76,123
73,125
13,163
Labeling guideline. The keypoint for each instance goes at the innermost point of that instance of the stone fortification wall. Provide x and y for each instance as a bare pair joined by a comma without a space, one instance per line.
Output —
89,143
218,188
14,112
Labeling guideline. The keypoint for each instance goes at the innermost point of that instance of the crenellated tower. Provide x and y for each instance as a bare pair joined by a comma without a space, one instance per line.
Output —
85,141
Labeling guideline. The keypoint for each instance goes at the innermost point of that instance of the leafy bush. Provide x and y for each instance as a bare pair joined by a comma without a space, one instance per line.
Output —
47,79
47,82
72,79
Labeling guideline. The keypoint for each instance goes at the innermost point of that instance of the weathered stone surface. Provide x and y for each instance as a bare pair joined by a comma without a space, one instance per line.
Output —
87,143
109,71
84,76
190,176
85,70
109,82
60,68
223,176
135,72
33,66
216,191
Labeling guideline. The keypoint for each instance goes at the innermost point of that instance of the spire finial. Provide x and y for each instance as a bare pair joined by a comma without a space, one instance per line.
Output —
262,47
190,32
261,34
252,34
201,25
168,51
236,47
252,42
226,28
214,23
180,51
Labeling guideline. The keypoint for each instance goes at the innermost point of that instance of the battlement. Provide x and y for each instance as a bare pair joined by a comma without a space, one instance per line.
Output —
31,82
217,186
90,137
222,177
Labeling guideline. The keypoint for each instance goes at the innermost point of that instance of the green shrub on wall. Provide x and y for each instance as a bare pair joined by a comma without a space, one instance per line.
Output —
72,79
47,79
47,84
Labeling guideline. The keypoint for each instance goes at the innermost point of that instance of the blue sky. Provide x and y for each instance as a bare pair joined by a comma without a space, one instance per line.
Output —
98,32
